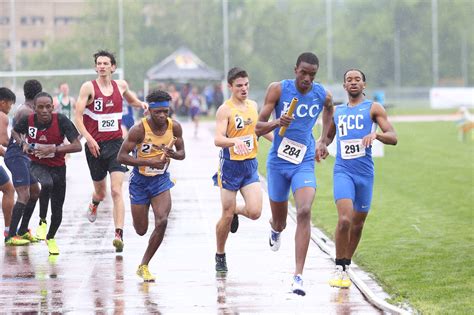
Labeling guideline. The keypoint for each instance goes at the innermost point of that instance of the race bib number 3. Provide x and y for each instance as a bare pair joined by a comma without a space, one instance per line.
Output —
32,131
108,124
291,151
352,149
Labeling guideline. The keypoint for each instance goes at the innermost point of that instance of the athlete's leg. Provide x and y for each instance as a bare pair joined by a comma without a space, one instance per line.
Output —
8,200
344,211
43,175
278,190
29,208
116,181
303,199
100,189
19,168
362,202
57,200
252,194
140,218
161,205
357,223
344,191
223,225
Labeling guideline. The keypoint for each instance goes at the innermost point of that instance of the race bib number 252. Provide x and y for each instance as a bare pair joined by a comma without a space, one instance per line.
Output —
108,124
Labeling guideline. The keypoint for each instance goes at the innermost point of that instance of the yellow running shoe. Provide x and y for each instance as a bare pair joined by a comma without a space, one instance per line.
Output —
145,274
340,279
118,243
41,231
16,241
336,280
345,279
52,247
29,236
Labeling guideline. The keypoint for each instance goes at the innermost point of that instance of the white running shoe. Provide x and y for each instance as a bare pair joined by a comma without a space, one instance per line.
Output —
274,240
297,286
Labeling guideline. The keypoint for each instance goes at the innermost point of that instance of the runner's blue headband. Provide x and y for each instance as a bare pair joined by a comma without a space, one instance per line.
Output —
159,104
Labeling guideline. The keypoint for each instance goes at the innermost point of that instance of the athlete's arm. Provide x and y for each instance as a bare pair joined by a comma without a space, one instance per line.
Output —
328,113
86,93
220,137
269,136
388,135
179,153
69,130
3,129
135,136
20,129
271,99
130,96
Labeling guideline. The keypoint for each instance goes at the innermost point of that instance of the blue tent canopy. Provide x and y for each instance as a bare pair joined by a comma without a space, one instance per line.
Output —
182,65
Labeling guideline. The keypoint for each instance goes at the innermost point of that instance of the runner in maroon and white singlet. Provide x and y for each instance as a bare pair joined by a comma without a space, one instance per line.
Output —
98,118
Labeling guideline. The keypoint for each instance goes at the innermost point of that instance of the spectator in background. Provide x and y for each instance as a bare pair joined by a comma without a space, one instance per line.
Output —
175,101
209,96
194,101
185,90
63,103
218,96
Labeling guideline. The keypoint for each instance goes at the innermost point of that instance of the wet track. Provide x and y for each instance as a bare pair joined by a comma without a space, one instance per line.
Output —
89,277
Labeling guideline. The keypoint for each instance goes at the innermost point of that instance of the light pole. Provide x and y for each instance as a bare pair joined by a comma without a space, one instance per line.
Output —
13,41
396,55
434,40
225,16
121,50
329,39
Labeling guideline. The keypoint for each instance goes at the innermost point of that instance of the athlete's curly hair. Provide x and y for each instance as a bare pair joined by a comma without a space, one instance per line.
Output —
31,88
43,94
105,53
158,96
7,95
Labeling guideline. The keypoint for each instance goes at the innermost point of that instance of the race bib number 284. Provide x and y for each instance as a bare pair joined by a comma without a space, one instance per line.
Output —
291,151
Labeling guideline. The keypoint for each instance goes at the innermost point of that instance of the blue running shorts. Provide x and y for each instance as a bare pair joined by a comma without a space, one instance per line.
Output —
233,175
143,188
279,180
19,167
358,188
3,176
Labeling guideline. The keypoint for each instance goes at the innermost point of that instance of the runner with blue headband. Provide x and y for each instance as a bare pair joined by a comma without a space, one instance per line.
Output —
159,104
152,142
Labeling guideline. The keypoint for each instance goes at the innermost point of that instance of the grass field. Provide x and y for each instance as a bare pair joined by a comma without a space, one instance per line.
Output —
418,240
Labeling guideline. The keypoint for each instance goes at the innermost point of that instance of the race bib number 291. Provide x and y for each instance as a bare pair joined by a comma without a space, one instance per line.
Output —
352,149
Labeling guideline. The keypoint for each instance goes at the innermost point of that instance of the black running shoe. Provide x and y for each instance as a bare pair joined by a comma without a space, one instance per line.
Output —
234,226
221,264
